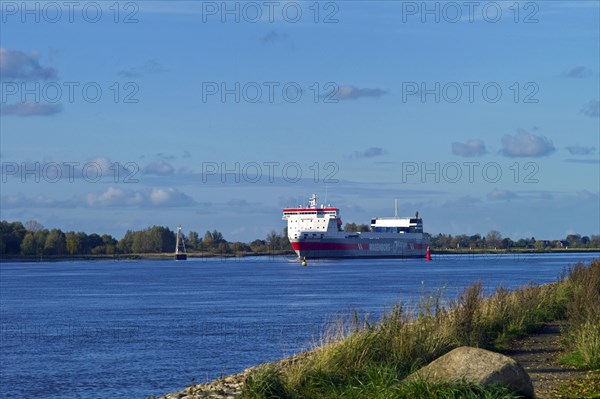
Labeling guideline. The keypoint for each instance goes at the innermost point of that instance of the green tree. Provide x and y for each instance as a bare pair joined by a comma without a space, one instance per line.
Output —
212,240
350,227
353,228
258,246
156,239
207,242
110,244
28,245
574,240
126,243
475,241
239,247
217,237
33,243
273,240
73,243
460,241
11,236
55,243
139,244
90,242
162,239
441,241
223,248
507,243
40,241
193,241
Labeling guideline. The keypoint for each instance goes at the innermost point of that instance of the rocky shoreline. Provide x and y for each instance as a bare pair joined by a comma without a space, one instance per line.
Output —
229,387
547,375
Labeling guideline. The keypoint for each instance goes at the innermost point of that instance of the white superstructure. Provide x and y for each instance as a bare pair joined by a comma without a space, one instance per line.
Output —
316,232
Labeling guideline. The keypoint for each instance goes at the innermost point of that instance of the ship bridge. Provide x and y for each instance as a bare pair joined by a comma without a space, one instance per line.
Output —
397,225
312,218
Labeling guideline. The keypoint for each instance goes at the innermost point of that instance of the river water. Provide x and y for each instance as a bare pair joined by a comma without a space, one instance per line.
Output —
79,329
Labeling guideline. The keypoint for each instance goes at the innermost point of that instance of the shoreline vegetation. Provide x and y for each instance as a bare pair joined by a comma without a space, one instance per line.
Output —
358,358
32,242
276,253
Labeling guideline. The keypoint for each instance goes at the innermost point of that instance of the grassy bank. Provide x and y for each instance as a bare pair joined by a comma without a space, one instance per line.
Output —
477,251
136,256
290,252
357,359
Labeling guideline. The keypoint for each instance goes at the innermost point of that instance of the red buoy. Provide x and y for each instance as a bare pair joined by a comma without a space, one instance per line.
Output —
428,254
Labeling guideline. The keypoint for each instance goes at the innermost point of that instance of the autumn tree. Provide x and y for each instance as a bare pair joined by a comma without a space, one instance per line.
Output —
493,239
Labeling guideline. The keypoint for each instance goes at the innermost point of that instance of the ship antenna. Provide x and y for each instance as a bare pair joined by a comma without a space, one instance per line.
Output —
326,194
395,207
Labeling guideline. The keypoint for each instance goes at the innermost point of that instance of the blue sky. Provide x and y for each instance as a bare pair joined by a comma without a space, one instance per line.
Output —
481,116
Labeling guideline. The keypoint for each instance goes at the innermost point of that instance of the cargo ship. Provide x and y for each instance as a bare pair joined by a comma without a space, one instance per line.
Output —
316,232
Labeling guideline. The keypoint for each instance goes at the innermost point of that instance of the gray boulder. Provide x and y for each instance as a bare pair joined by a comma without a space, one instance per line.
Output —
479,366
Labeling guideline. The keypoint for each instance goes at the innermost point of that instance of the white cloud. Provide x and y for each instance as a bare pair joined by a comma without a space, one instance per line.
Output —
352,93
501,195
585,195
274,36
149,67
112,197
38,201
155,197
30,109
591,109
579,72
159,168
370,152
471,148
16,64
462,202
169,197
525,144
581,150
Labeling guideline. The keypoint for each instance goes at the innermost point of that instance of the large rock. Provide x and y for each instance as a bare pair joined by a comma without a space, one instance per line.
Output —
477,365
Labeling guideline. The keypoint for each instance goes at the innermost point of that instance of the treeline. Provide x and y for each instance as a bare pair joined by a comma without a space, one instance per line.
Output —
213,242
494,240
353,227
32,239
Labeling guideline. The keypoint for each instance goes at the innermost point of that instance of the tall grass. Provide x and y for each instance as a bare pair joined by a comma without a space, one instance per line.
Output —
360,359
582,332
